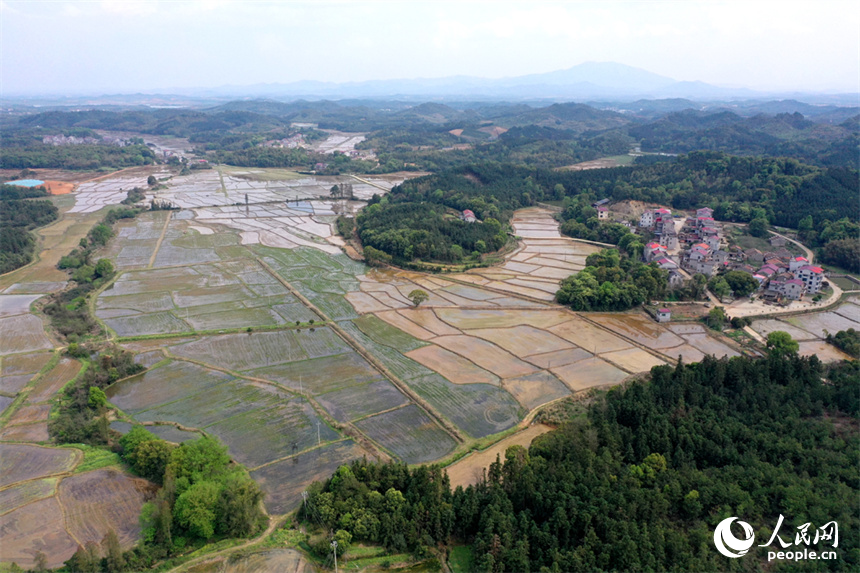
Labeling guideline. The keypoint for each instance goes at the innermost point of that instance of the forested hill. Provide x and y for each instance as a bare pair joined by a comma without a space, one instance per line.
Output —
641,482
784,191
780,135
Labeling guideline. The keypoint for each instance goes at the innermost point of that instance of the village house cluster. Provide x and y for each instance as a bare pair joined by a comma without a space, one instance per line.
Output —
61,139
695,245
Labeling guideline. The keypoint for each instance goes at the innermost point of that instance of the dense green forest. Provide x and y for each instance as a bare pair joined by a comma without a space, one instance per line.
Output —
40,155
822,203
425,231
780,135
19,214
640,481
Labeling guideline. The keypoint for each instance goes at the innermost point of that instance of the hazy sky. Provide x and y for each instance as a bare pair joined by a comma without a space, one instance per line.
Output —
121,46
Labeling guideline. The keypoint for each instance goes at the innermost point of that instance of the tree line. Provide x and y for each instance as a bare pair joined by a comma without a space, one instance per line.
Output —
640,481
19,214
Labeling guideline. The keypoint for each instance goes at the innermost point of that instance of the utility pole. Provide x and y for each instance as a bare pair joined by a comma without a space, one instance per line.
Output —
334,549
319,440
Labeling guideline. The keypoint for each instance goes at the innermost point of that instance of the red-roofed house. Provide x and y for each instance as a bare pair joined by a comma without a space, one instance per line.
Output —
796,262
469,216
664,315
603,212
811,276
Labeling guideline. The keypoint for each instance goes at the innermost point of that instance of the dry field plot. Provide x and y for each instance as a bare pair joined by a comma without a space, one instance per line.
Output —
38,526
53,381
20,462
98,501
470,470
286,560
30,433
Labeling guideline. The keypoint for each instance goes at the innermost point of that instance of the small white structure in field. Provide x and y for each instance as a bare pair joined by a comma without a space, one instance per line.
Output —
664,315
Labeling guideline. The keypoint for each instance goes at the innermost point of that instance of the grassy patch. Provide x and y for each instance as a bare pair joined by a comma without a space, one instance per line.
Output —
95,458
285,536
461,560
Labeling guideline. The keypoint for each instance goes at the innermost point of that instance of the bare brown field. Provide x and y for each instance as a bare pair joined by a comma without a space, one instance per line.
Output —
826,352
632,359
29,414
486,355
19,462
23,363
394,318
19,495
588,336
589,373
640,328
453,367
51,383
522,341
57,239
489,318
27,433
469,470
427,319
59,187
104,499
535,389
37,526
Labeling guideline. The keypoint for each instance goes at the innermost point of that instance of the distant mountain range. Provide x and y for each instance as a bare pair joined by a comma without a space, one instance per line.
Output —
590,80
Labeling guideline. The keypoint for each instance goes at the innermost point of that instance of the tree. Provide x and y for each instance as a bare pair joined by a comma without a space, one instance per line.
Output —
719,287
239,506
104,268
743,284
780,343
418,296
97,398
758,227
113,552
195,509
151,180
716,318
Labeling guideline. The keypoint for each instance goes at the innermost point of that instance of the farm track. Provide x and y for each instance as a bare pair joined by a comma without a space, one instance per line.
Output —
274,523
402,386
160,240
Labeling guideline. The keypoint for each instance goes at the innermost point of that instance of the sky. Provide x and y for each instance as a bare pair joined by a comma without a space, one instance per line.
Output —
117,46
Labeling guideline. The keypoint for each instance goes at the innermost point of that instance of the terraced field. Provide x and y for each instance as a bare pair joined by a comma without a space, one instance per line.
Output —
811,328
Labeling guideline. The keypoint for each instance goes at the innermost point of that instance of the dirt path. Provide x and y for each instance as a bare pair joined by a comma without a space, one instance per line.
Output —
469,470
160,240
809,254
274,523
756,308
